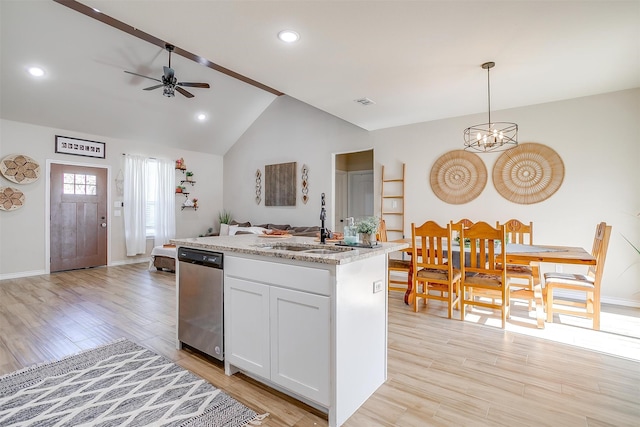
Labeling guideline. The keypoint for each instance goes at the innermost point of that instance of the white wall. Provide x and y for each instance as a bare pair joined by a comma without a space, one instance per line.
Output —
598,139
288,131
22,231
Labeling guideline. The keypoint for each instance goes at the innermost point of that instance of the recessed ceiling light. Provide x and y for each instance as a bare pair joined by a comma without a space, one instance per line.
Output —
202,117
36,71
288,36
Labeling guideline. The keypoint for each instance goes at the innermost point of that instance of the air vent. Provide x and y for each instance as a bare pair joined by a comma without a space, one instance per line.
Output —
365,101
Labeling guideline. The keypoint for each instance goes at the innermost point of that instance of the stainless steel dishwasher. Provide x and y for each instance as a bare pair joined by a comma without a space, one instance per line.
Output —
200,301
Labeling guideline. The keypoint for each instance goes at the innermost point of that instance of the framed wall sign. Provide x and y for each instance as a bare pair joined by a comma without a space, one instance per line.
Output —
80,147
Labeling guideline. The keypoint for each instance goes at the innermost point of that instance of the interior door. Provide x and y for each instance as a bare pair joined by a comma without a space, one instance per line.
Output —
341,196
360,194
78,220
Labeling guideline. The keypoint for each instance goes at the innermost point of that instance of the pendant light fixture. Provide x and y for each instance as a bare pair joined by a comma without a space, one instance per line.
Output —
490,136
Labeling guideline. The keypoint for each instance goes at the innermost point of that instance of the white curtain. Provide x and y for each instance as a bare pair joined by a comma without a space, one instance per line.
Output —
135,205
165,224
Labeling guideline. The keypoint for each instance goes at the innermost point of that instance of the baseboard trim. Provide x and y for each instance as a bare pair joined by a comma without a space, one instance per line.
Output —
21,274
130,261
578,296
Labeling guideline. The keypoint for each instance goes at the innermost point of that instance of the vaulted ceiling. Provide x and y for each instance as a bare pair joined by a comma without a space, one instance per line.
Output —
416,60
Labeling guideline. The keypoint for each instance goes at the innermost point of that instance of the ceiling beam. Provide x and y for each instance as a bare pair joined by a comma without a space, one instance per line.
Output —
92,13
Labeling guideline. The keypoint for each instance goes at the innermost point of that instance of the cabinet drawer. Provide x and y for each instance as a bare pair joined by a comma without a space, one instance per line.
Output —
306,279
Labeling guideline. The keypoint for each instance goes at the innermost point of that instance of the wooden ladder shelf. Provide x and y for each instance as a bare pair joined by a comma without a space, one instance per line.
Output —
392,204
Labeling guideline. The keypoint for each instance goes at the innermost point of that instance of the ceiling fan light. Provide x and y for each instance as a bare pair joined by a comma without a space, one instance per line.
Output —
168,92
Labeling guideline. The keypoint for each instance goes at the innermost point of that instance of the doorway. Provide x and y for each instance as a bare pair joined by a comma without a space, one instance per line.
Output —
353,189
77,216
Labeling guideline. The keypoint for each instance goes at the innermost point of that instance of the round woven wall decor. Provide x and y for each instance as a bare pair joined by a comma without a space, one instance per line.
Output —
458,177
11,198
529,173
20,169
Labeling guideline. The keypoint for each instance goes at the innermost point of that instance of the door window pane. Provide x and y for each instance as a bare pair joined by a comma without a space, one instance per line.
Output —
79,184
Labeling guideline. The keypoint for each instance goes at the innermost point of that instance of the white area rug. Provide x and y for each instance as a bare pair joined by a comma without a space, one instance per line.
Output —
119,384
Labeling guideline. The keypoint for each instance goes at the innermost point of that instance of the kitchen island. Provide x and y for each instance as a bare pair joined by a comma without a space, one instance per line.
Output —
305,318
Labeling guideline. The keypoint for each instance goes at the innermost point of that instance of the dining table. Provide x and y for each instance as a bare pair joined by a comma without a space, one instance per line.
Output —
519,254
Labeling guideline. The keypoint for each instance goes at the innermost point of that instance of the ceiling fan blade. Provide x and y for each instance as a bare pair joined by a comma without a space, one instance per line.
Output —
184,92
187,84
140,75
153,87
168,73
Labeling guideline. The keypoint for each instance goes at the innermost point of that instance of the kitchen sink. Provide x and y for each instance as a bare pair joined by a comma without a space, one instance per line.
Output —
324,251
287,248
308,249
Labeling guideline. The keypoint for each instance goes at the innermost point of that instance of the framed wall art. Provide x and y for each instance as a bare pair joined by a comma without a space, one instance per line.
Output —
80,147
280,184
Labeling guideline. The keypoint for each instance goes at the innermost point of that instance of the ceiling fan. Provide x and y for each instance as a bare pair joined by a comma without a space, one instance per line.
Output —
169,80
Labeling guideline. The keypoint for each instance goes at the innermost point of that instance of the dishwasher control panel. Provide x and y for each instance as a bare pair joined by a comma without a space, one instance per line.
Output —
194,256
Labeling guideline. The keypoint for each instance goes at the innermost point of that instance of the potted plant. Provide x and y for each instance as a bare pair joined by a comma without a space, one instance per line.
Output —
367,228
225,218
189,176
178,189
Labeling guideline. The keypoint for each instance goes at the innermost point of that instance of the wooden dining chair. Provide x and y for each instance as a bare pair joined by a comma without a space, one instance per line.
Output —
521,233
464,223
395,266
589,284
482,271
431,269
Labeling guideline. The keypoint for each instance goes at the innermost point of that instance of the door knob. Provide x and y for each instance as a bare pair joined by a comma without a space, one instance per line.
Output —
103,225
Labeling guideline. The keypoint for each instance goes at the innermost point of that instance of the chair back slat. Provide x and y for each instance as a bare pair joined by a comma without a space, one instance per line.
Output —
382,231
599,250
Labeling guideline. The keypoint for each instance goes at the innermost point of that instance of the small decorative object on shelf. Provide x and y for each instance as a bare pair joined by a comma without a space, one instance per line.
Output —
189,176
191,204
180,164
180,189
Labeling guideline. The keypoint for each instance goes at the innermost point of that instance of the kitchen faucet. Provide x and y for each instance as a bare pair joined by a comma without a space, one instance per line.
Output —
323,216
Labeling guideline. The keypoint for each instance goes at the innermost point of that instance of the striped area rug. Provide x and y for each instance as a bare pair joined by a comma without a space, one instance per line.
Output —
119,384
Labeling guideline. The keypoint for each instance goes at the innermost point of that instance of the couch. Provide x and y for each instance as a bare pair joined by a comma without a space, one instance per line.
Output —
236,227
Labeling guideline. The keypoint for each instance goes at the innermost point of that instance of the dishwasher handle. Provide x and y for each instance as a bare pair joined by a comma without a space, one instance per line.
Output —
200,257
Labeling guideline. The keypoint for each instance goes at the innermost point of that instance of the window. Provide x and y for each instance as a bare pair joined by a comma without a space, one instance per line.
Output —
151,182
80,184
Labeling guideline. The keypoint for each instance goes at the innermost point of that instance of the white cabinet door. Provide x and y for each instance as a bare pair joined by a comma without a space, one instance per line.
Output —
247,325
300,345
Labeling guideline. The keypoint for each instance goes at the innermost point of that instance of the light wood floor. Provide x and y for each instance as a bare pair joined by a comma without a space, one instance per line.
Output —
440,371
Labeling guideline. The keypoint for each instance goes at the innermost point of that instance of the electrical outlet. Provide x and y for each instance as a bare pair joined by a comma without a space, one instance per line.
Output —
558,268
377,286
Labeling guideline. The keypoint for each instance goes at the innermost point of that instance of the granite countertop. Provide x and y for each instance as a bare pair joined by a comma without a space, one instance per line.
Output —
269,246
